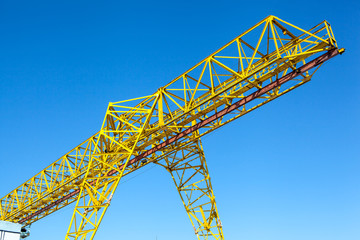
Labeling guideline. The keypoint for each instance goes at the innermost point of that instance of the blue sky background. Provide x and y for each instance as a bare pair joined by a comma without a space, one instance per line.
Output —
287,171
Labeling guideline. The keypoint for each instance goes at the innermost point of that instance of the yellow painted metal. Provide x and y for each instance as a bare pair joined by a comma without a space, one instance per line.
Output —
90,173
189,171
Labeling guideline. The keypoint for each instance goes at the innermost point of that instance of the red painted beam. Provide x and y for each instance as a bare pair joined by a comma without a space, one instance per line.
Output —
317,61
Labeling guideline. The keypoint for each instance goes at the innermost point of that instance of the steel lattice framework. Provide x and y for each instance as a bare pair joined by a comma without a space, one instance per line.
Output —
165,128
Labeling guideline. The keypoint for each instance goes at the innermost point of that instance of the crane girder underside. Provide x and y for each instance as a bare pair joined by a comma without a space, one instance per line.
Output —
267,61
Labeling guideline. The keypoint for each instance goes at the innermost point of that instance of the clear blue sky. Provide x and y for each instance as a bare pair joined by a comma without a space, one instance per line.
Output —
287,171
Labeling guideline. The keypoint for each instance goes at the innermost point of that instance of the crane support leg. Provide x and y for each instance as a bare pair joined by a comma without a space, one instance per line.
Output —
189,171
91,206
96,192
104,173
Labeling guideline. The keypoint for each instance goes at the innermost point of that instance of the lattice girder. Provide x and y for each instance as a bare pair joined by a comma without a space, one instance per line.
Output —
265,62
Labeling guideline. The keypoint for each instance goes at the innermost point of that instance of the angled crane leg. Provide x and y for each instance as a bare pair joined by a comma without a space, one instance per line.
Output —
189,171
96,192
93,201
104,172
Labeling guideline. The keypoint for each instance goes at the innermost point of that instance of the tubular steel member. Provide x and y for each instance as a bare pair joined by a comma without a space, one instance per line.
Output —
189,171
238,78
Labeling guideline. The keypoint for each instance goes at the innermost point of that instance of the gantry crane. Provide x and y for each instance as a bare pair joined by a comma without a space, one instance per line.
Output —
165,128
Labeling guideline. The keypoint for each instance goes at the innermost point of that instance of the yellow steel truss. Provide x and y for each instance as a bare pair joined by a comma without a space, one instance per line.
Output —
189,171
265,62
